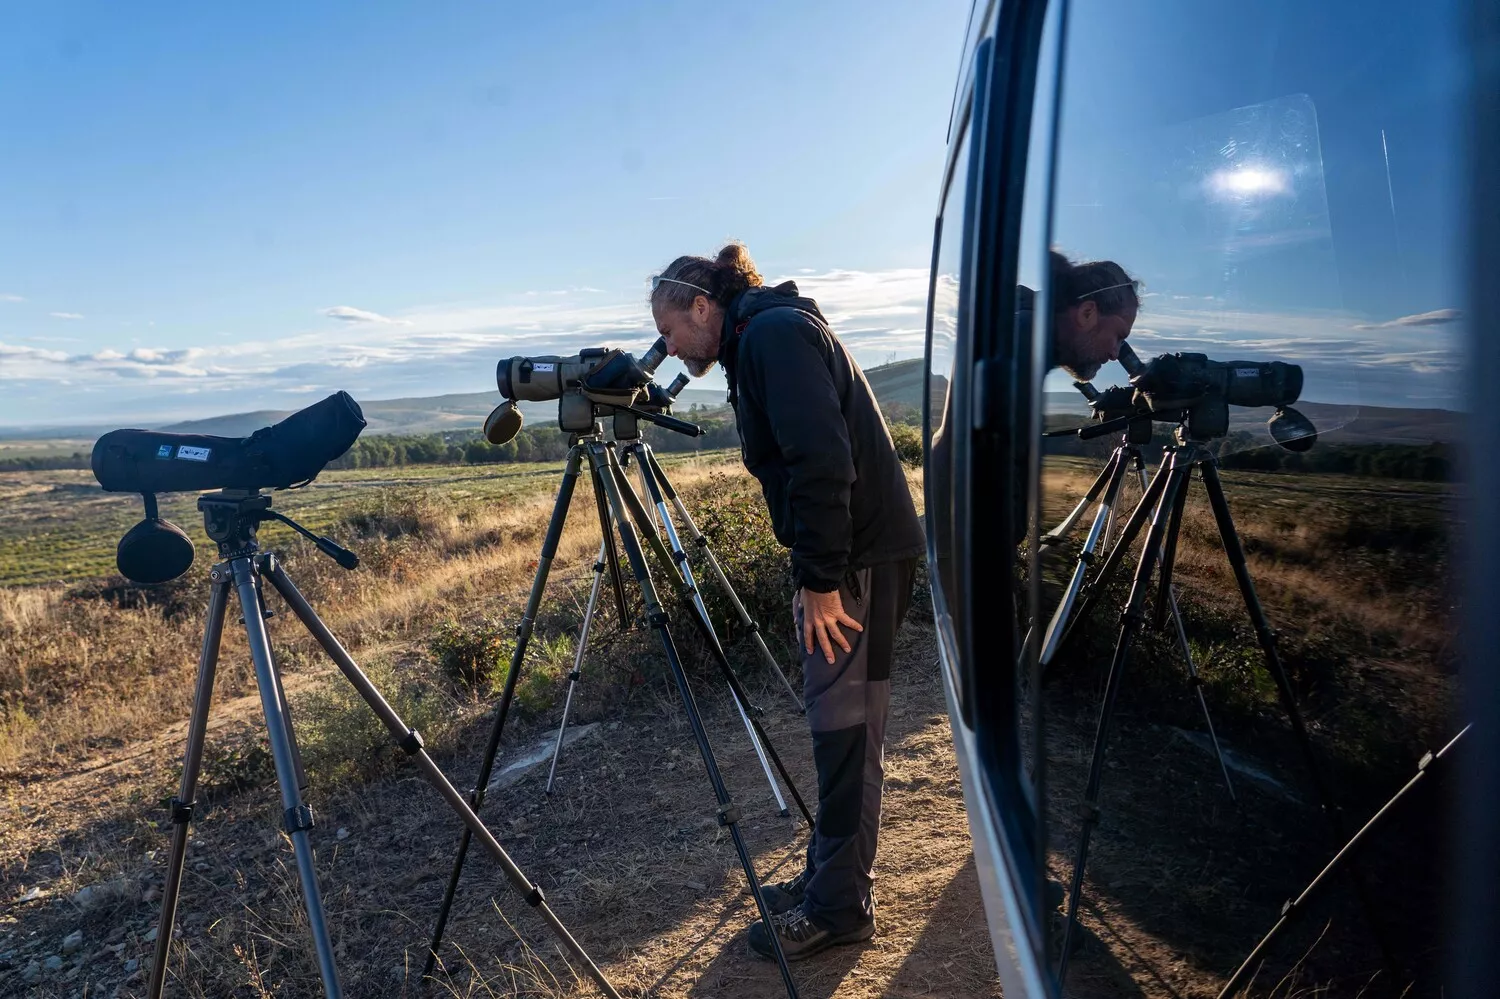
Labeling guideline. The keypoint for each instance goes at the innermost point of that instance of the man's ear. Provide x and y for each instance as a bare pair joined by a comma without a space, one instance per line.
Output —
1088,315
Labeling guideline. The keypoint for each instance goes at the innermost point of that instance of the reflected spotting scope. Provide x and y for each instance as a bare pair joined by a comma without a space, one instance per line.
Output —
1197,392
287,454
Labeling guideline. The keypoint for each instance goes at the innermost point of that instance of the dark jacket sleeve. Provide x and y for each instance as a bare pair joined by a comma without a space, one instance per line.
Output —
783,360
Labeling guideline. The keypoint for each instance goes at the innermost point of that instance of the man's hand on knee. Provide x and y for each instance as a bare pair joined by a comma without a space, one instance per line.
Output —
822,614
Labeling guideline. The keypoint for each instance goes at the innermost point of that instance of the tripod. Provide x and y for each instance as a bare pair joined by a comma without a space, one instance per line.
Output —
620,510
659,489
1163,502
231,518
1106,490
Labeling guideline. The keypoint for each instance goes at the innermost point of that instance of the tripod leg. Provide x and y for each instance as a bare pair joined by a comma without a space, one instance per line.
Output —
1093,590
746,620
637,451
1164,598
653,490
297,816
523,639
1130,625
632,503
583,642
182,805
760,753
410,741
1167,600
612,556
1267,638
1196,682
1102,481
1111,490
728,812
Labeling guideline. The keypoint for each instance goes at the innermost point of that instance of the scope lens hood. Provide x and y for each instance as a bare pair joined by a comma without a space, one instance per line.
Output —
1292,430
503,423
154,551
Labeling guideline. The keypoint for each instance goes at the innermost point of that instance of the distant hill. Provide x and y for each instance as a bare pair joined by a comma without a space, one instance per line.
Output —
426,415
1336,424
898,386
899,383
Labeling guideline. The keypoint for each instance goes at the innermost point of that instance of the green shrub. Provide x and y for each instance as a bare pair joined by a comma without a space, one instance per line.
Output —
739,532
547,664
472,656
239,760
908,441
341,739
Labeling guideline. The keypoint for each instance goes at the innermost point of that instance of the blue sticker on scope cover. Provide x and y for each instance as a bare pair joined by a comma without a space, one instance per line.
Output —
165,451
186,453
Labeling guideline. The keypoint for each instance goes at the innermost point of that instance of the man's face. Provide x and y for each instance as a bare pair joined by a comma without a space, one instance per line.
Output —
1087,338
692,334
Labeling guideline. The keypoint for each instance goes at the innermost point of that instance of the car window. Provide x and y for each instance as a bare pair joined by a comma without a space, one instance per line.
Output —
1275,189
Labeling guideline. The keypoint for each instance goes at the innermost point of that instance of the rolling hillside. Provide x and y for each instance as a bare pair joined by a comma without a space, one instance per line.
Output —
898,386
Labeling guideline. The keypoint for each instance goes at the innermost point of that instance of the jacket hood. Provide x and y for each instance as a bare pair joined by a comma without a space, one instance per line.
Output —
753,301
747,305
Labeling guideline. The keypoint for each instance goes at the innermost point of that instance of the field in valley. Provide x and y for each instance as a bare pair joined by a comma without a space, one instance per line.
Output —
96,683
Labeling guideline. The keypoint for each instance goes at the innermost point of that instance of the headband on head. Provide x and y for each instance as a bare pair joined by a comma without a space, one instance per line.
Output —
1127,284
656,283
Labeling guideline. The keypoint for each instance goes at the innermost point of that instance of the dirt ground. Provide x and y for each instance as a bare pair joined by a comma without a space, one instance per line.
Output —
626,850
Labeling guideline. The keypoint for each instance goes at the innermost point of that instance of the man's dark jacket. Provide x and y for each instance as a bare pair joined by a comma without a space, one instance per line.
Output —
812,433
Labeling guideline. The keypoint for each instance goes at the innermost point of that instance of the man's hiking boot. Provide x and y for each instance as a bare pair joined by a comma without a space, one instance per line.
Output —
800,937
785,896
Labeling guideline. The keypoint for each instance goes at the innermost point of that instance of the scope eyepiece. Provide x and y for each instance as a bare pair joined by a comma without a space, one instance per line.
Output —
653,357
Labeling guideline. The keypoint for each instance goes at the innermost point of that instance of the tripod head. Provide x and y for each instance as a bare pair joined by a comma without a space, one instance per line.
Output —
231,518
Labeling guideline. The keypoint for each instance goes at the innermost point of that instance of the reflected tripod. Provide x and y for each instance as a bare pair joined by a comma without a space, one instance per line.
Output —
620,510
1106,490
231,518
658,488
1163,502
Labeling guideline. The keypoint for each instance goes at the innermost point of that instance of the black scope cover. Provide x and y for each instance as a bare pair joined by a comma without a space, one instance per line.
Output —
275,457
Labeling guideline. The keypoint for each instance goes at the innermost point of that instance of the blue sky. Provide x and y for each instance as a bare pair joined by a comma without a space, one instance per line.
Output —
206,210
187,191
1285,178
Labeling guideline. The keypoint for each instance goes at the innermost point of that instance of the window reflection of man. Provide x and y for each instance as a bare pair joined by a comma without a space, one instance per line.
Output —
1094,307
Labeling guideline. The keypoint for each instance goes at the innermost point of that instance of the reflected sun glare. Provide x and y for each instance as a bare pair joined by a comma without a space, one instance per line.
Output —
1248,182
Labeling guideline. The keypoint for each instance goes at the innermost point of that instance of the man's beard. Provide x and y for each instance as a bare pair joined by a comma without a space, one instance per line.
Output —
1082,372
698,368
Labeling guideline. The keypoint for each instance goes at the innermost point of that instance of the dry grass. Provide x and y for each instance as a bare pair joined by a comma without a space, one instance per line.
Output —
92,667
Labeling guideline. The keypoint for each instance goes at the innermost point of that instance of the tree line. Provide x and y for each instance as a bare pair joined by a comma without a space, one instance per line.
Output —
1432,462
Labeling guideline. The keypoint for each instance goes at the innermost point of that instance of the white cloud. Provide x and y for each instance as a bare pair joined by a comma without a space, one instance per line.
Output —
1437,317
349,314
65,315
11,298
439,349
13,352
